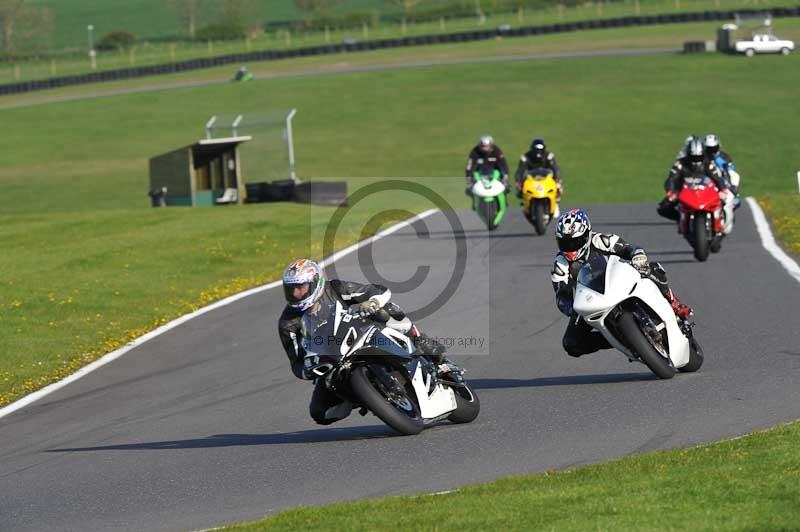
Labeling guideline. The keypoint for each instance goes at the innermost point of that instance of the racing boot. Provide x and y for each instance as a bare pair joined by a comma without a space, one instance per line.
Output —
659,276
682,311
433,351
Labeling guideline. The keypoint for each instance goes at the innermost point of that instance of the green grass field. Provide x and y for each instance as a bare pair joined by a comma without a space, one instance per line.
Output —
70,42
750,483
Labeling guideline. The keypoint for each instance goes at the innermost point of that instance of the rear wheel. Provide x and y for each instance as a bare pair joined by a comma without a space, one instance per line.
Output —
468,405
490,210
785,51
695,357
749,52
700,238
538,217
638,343
400,412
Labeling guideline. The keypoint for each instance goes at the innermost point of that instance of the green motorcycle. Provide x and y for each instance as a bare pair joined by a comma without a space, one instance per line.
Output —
489,198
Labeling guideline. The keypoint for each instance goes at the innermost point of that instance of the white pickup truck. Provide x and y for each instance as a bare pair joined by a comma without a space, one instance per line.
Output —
764,44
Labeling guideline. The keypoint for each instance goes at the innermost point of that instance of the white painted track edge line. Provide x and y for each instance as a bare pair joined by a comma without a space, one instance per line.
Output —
768,240
110,357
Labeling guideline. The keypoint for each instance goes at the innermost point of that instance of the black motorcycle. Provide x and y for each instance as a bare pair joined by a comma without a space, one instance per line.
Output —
379,369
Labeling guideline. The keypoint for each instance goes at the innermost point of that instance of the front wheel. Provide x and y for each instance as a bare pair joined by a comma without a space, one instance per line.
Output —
638,343
700,237
400,413
538,218
695,357
490,212
468,405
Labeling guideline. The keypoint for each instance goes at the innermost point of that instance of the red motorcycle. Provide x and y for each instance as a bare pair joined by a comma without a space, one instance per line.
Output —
701,216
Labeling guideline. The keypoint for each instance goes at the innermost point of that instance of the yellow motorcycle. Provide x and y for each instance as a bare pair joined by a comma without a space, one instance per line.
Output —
539,193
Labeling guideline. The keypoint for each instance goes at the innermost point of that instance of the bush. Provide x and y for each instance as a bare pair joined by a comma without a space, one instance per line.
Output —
221,32
116,40
354,19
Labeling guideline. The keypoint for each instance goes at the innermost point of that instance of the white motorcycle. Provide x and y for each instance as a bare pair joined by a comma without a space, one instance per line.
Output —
376,368
630,312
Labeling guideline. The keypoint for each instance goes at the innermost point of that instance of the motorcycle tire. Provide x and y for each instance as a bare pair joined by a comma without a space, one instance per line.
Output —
638,343
700,238
538,218
468,405
716,244
490,210
695,357
367,392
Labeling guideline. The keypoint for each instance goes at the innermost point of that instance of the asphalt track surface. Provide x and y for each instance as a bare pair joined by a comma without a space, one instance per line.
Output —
206,425
315,72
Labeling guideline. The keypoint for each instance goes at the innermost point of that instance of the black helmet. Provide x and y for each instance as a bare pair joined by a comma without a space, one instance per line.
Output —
538,148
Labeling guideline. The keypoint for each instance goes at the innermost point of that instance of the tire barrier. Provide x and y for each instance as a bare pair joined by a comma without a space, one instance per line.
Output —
331,193
359,46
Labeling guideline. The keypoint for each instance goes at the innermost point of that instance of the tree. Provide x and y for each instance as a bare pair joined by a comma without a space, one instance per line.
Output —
239,12
188,12
315,6
407,5
25,27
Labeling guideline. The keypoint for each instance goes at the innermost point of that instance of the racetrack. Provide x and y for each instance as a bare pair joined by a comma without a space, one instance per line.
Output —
206,425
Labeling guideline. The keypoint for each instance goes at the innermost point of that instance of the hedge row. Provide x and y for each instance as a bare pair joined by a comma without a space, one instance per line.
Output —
271,55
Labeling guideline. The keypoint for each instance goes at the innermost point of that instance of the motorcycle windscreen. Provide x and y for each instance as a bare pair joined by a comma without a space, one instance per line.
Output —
319,328
593,273
540,173
382,345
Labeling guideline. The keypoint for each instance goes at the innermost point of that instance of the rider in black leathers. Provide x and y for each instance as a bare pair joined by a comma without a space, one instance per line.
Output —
487,157
326,407
576,242
694,163
537,157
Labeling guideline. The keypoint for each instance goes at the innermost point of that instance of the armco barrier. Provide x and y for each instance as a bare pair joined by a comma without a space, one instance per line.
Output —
465,36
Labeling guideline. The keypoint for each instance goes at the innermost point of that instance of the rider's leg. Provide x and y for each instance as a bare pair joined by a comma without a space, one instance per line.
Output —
668,209
559,192
581,339
659,276
326,407
728,204
400,322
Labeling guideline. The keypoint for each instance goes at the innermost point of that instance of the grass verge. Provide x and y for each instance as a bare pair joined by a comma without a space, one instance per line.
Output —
749,483
784,213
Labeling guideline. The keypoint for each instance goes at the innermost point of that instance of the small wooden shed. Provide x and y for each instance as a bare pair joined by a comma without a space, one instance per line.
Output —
205,173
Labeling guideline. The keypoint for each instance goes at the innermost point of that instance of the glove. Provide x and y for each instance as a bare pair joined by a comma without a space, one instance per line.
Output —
468,191
640,262
672,196
367,308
